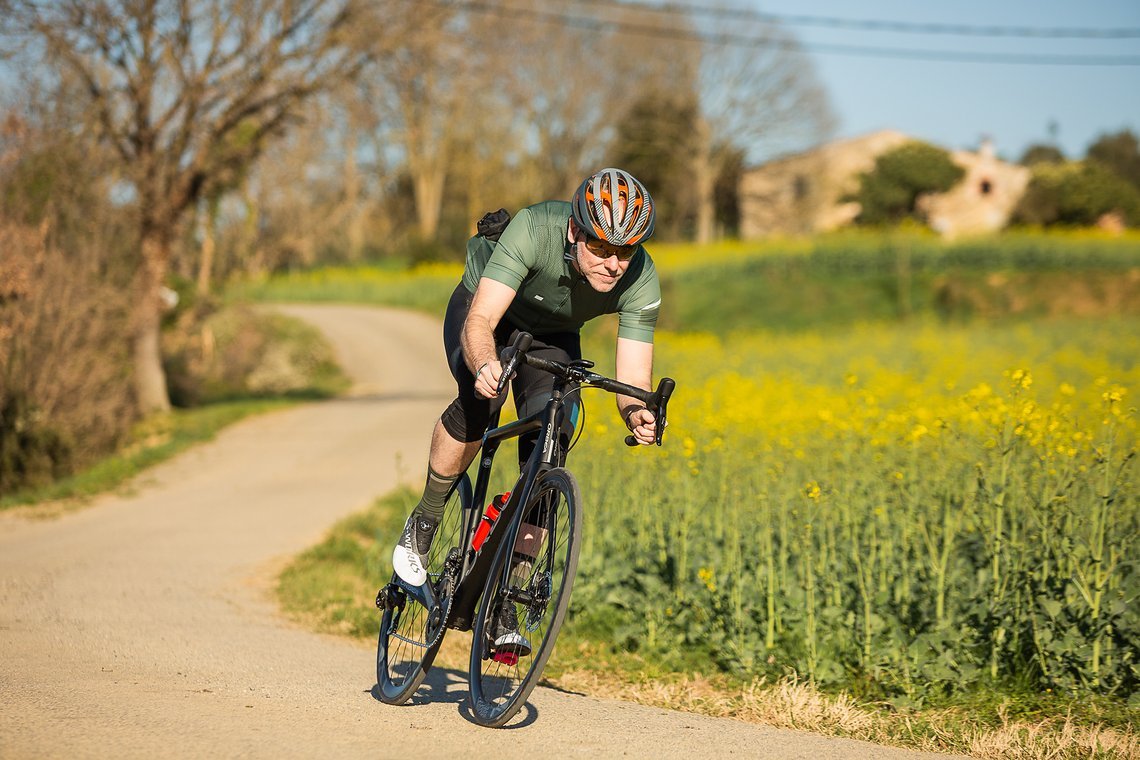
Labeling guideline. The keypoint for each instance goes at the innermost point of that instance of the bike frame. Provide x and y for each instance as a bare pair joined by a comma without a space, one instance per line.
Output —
476,563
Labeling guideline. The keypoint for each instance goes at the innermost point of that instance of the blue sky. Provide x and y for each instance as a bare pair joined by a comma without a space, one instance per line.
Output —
954,104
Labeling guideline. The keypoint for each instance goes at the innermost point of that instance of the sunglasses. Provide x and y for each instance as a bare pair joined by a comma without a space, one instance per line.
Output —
604,250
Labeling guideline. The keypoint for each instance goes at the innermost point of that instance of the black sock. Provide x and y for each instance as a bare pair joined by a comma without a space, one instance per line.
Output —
435,495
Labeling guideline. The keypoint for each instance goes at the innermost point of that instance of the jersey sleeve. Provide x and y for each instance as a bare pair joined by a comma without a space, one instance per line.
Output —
639,306
515,254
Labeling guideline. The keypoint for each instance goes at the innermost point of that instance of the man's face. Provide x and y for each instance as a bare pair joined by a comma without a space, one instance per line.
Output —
599,262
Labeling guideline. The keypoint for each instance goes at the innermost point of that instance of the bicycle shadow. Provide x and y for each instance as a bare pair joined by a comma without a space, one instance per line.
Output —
449,686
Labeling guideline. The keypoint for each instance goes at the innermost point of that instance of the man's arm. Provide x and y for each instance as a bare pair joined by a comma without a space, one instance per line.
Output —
635,367
488,306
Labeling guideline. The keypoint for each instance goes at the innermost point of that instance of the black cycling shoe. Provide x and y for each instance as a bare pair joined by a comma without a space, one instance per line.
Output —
505,630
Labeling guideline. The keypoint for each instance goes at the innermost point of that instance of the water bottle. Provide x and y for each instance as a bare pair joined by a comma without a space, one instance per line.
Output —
488,520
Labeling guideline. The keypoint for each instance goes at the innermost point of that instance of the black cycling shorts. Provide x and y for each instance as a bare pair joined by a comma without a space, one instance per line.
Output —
467,417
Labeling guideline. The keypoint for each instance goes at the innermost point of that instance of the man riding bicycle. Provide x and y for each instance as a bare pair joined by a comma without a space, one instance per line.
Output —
555,266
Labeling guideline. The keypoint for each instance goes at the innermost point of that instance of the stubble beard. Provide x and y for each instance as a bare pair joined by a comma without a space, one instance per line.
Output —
594,278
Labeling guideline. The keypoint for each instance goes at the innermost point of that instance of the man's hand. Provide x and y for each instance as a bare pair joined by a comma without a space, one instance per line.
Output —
487,380
643,425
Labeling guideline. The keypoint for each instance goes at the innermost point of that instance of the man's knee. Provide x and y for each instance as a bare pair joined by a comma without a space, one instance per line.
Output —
466,422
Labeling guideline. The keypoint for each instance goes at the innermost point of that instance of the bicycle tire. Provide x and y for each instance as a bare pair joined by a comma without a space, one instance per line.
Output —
499,688
407,644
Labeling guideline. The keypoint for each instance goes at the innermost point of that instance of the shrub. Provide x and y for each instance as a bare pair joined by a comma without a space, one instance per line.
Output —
889,192
240,352
65,395
1078,193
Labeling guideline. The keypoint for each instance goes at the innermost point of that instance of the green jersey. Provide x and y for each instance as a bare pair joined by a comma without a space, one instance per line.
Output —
533,257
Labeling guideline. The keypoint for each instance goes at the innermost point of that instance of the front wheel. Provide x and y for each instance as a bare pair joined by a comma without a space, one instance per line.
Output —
525,599
410,634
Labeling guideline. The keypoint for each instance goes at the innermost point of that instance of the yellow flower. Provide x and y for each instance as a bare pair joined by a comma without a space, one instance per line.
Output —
706,576
1114,395
1020,379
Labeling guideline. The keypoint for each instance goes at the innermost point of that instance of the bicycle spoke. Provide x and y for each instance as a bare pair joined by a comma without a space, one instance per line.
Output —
407,641
536,598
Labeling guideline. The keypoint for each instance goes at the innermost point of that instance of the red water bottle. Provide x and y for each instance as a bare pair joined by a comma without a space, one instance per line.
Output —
488,520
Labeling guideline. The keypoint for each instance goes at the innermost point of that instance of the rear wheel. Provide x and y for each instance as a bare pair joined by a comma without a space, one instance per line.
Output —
531,590
410,634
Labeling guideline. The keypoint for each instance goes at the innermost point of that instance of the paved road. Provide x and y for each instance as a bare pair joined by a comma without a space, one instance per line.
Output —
144,626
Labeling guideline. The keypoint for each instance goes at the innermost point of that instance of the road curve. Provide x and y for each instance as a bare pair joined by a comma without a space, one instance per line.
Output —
144,625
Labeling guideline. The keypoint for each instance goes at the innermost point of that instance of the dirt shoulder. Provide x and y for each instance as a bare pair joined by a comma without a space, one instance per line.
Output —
143,626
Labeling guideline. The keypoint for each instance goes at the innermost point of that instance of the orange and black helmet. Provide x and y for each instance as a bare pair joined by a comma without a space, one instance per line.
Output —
613,206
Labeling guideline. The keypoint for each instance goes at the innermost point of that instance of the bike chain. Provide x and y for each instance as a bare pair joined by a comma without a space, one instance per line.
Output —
448,576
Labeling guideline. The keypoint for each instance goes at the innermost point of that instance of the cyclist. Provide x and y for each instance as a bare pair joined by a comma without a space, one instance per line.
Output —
555,266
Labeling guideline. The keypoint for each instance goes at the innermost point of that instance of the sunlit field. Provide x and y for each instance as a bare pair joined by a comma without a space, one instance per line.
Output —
905,512
925,509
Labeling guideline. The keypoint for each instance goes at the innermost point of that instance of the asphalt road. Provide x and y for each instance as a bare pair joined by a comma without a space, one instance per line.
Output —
144,624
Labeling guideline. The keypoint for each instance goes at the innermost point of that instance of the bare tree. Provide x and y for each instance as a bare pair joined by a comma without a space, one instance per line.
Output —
580,80
188,93
420,85
757,91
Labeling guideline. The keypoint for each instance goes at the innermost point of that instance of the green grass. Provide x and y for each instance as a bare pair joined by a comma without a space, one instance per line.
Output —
422,288
828,282
330,588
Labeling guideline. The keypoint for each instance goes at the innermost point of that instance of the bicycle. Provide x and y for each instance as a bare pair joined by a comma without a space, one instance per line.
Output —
524,566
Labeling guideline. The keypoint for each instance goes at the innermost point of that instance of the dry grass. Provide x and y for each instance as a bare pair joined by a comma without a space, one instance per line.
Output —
1054,739
786,704
793,704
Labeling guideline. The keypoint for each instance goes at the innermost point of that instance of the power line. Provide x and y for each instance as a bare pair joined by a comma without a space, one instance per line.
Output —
832,22
729,38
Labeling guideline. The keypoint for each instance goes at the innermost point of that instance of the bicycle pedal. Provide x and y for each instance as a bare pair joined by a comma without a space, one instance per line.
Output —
510,659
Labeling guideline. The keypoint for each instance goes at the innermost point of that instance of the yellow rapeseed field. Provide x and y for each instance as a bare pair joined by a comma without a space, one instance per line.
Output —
918,509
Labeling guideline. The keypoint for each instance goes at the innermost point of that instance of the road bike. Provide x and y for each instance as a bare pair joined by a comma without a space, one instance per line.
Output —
521,564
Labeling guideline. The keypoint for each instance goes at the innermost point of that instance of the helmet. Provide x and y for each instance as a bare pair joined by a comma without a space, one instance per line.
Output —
613,206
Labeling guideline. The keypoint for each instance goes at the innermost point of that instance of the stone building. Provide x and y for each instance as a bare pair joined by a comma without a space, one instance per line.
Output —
804,193
983,199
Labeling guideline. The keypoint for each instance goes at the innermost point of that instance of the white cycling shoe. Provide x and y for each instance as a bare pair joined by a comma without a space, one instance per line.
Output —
410,557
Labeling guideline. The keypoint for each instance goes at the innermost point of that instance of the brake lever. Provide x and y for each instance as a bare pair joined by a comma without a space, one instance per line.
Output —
664,391
510,358
658,405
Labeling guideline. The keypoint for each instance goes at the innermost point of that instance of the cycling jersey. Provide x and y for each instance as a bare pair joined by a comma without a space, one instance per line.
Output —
533,257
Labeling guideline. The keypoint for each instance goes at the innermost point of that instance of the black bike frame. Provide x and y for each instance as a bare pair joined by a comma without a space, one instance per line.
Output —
477,563
543,458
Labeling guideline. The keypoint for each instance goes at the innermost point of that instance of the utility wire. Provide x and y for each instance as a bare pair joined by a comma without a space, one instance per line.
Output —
832,22
727,38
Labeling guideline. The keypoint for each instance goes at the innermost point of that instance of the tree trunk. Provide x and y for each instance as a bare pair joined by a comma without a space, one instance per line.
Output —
208,224
354,228
150,378
704,182
428,188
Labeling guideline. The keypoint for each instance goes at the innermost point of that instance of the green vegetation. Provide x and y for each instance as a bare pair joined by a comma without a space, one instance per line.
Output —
889,192
830,281
425,287
935,516
242,353
1119,152
839,280
1077,193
